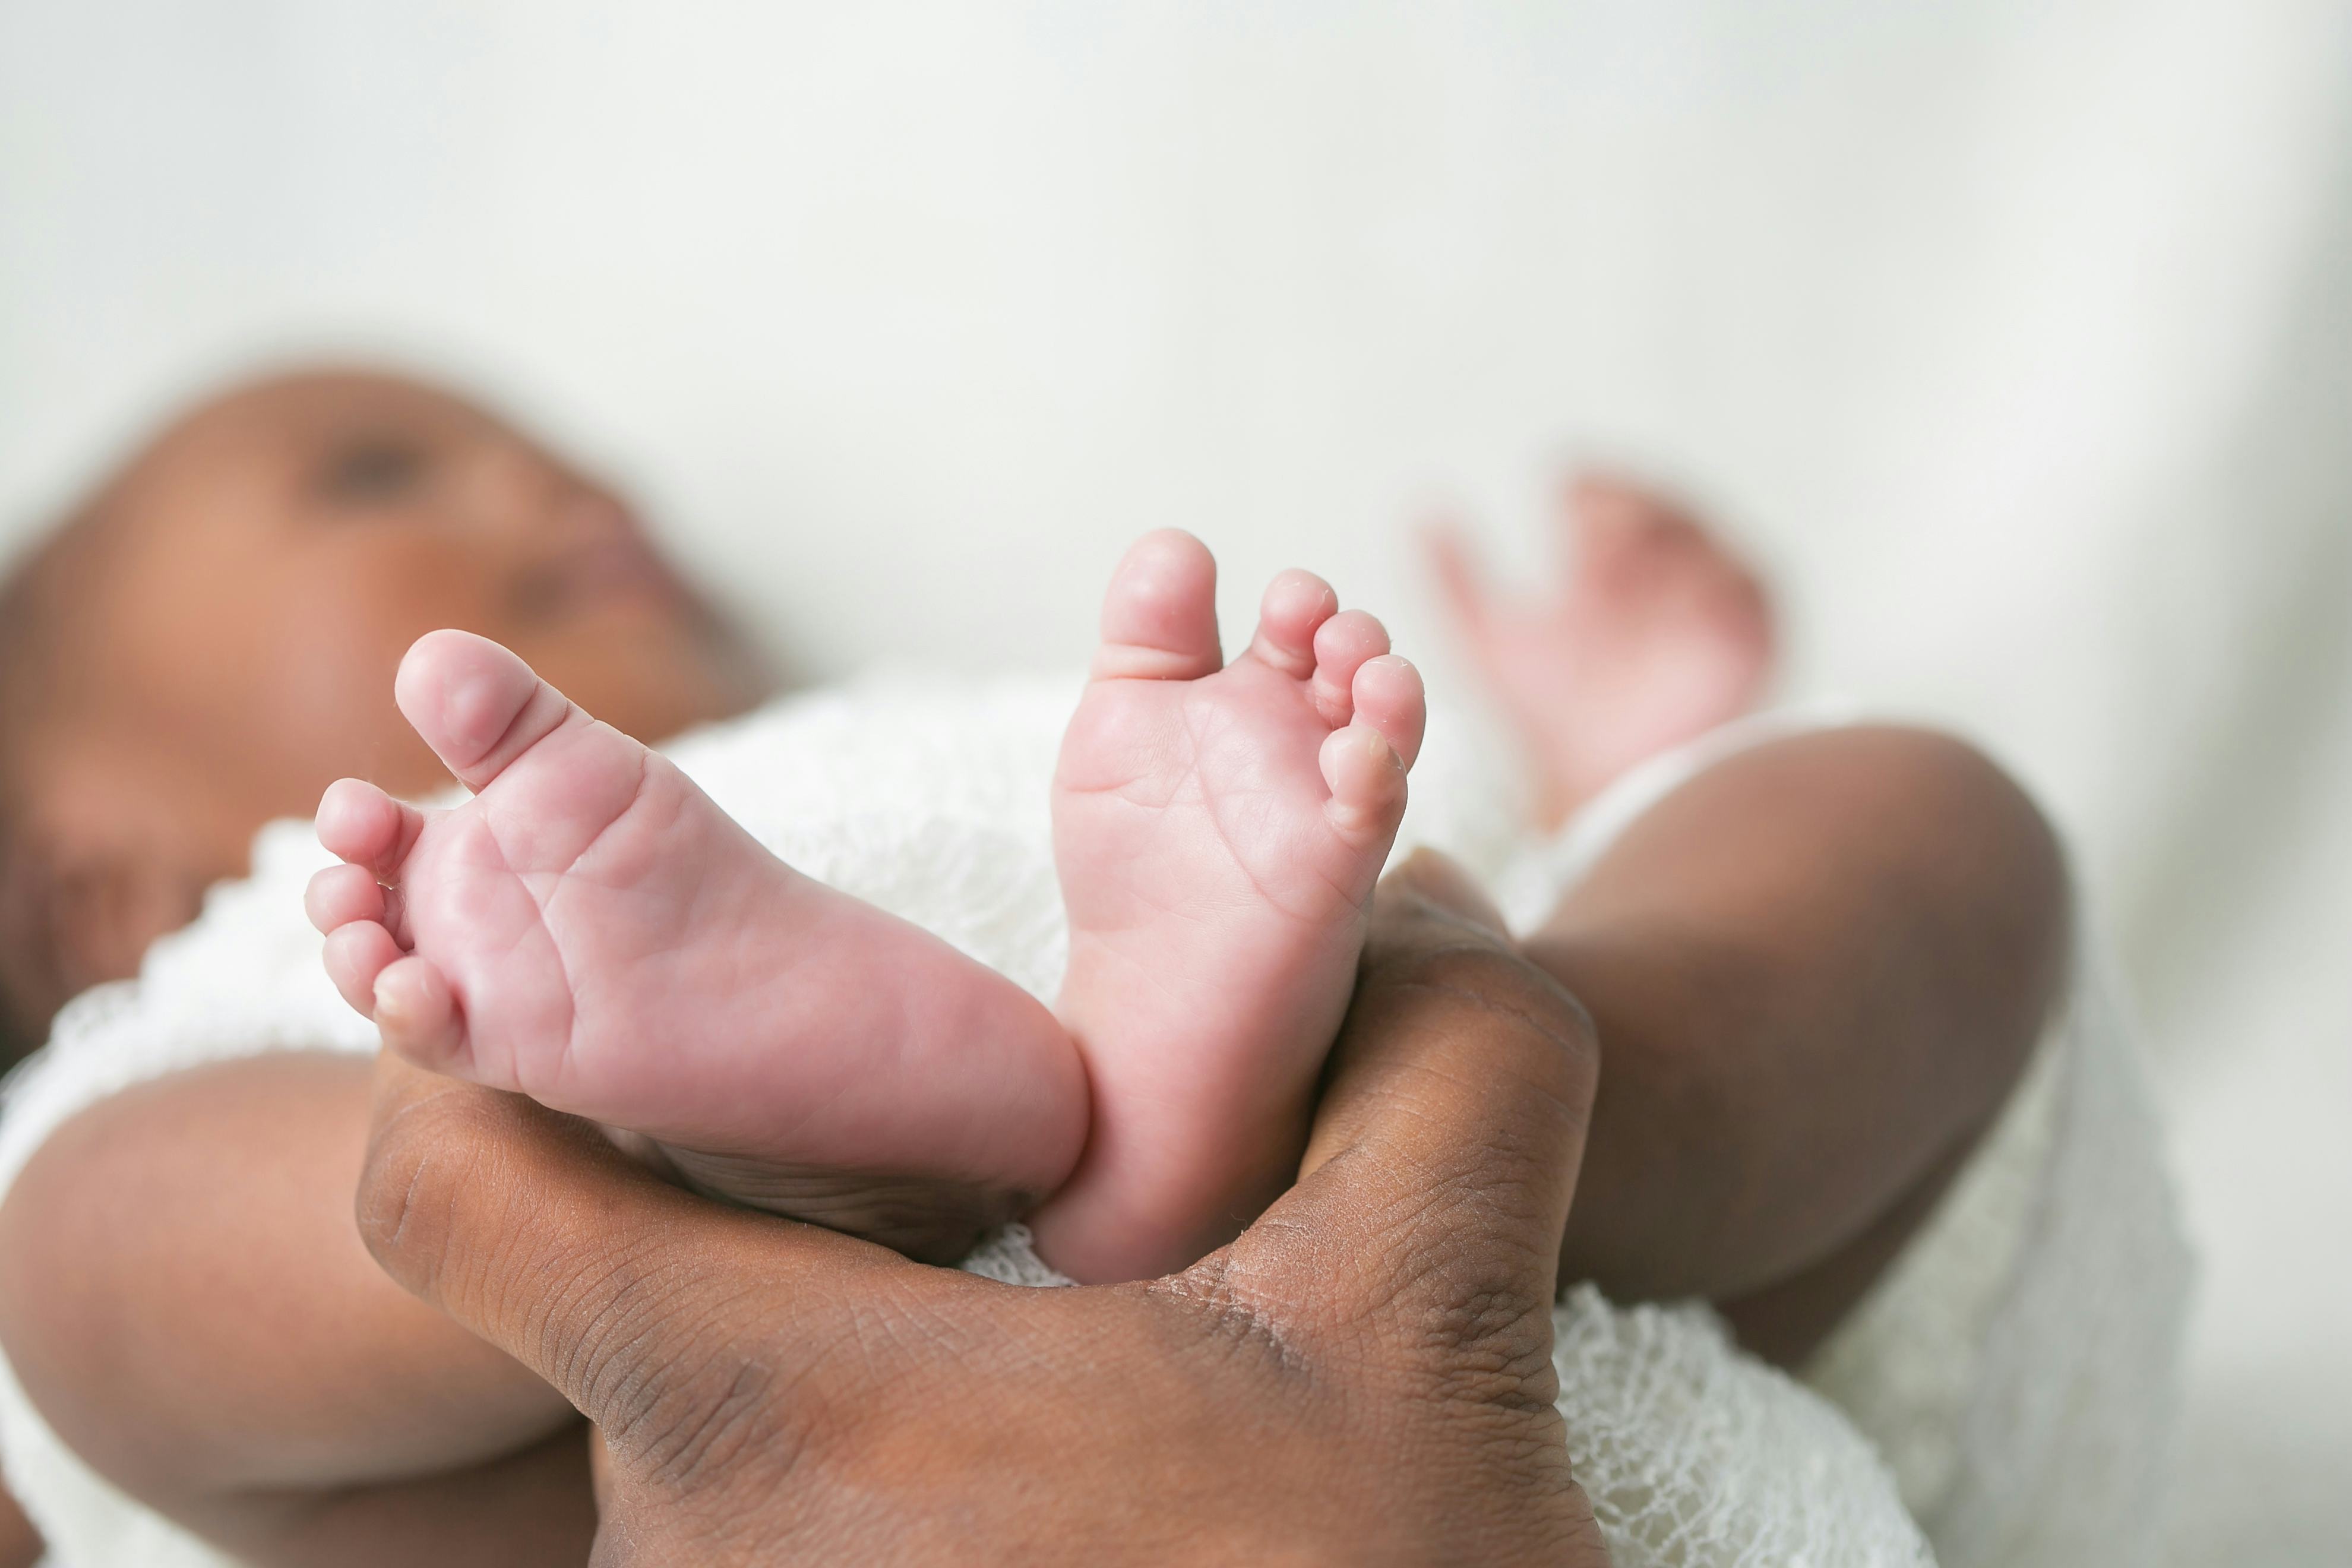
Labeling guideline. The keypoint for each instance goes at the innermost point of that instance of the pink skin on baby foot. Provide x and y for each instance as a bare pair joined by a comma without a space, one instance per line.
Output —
1652,634
592,931
1218,829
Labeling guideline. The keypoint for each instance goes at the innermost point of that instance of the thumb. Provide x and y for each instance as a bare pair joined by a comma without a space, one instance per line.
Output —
1445,1155
532,1230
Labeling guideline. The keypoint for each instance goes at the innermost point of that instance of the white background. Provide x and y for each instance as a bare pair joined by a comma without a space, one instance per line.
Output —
2016,338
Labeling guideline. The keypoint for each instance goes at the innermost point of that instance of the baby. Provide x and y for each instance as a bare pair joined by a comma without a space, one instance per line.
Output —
592,931
1810,1011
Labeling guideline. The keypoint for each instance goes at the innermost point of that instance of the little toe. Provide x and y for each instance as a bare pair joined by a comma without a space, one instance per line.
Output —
361,825
475,704
357,954
417,1013
342,894
1342,644
1389,696
1296,605
1160,613
1367,781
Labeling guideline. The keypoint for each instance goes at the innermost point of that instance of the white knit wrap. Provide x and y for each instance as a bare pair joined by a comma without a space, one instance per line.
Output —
2015,1368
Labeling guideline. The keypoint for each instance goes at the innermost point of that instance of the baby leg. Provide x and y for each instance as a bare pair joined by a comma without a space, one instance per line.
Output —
1817,971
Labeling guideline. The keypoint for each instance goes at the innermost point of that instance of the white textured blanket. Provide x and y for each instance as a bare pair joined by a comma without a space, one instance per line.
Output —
2015,1369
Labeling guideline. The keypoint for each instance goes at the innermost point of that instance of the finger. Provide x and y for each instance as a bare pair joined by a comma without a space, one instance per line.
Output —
1443,1158
534,1232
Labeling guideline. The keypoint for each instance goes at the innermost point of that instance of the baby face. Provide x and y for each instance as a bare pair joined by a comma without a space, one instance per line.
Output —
275,554
249,583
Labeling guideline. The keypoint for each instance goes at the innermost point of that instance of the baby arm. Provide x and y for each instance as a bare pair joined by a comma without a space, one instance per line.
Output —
185,1294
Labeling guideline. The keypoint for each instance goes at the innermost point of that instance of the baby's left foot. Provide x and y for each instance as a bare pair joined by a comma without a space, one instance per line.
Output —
1218,829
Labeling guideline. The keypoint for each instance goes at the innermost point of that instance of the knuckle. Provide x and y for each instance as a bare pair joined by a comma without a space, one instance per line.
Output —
1491,1350
421,1160
681,1434
1242,1300
734,1406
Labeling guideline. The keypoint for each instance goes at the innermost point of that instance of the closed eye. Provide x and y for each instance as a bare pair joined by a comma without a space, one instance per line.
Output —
372,471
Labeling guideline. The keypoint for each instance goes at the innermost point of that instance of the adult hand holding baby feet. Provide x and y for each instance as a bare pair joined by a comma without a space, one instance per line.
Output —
591,930
1218,829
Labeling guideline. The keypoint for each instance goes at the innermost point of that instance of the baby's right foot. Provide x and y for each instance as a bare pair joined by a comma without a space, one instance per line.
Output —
592,931
1655,633
1218,828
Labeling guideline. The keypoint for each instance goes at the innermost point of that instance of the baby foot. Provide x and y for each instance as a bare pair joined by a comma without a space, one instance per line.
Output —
1218,829
592,931
1654,633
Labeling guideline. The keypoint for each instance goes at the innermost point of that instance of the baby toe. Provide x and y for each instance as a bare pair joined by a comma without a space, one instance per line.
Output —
1296,605
342,894
357,954
417,1013
362,825
1342,644
1160,613
1388,696
477,704
1368,788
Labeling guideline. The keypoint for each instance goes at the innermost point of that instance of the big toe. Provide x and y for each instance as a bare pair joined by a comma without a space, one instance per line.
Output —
1160,613
475,704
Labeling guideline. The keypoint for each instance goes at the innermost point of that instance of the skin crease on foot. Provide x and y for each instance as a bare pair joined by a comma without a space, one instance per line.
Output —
1219,830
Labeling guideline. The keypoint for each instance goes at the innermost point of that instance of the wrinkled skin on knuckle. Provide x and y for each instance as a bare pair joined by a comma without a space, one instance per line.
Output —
1486,978
423,1162
705,1463
760,1437
1434,1437
707,1415
1237,1304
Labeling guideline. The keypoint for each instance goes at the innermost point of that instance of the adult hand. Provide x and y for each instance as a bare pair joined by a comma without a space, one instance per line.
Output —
1363,1377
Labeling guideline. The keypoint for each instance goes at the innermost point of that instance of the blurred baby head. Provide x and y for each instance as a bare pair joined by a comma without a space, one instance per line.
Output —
211,640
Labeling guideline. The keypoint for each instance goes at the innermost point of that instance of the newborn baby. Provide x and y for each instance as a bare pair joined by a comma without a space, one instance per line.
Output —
1816,969
591,930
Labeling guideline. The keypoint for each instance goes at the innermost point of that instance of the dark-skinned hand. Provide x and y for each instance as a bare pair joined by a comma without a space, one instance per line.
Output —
1364,1376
